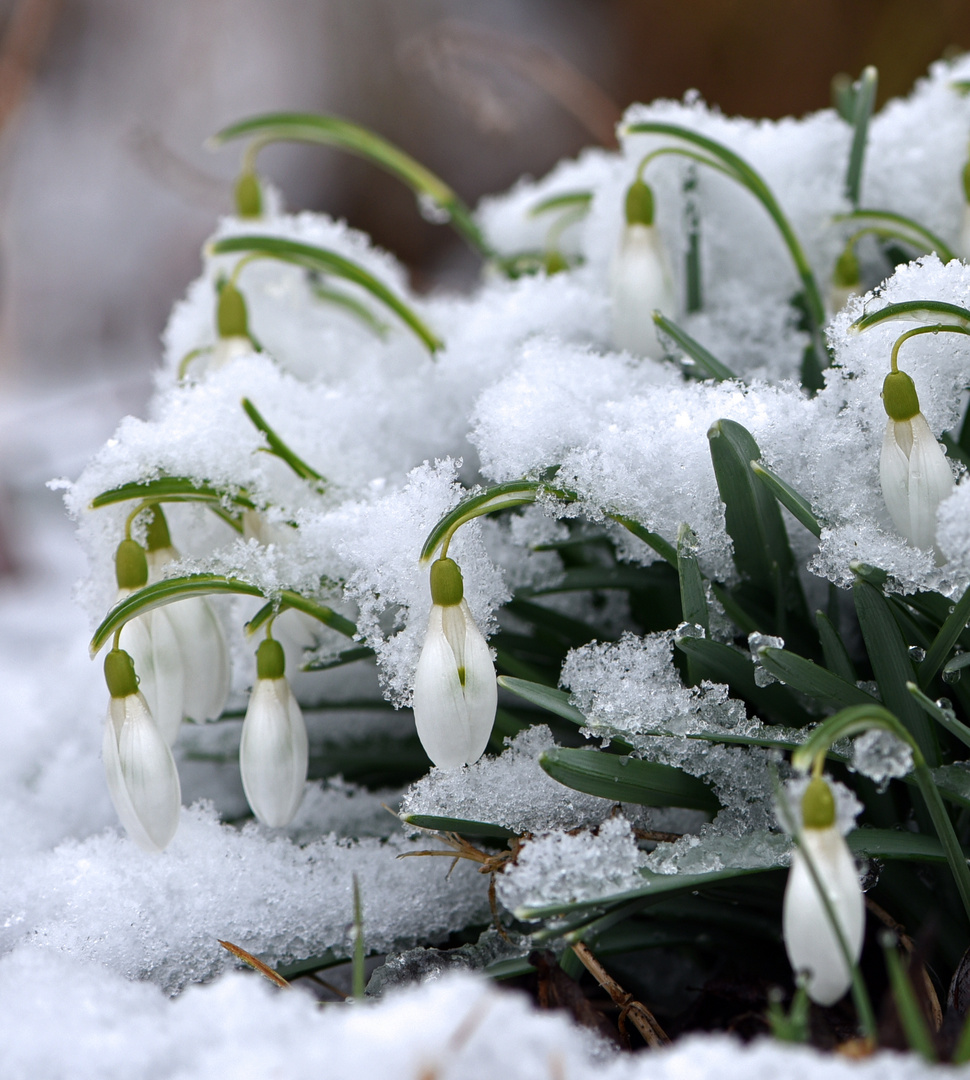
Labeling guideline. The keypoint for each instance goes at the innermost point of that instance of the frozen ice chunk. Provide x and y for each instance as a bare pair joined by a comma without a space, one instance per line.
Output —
881,755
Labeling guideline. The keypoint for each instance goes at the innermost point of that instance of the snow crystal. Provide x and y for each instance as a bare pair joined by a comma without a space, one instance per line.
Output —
881,755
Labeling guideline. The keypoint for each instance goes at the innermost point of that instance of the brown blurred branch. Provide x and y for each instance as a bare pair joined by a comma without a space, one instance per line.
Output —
450,50
21,48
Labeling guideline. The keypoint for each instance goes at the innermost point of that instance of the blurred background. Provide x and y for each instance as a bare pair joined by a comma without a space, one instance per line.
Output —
107,193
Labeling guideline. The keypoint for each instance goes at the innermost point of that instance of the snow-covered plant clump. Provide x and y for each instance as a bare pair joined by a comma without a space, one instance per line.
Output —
685,474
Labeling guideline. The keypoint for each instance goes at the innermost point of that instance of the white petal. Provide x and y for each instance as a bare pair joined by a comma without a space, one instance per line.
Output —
915,478
930,482
153,645
810,941
205,658
480,691
440,712
640,282
142,779
273,753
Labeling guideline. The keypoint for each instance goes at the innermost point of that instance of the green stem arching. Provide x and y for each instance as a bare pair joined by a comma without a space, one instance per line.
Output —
937,328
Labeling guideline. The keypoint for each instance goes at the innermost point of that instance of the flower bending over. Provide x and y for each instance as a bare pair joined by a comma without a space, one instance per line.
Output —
455,692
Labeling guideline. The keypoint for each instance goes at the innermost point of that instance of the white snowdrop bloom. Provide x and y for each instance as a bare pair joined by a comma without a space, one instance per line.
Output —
640,278
913,469
455,692
810,938
199,638
138,765
846,281
152,641
273,751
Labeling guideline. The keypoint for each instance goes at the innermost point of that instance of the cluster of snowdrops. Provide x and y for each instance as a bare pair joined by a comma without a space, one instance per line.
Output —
677,456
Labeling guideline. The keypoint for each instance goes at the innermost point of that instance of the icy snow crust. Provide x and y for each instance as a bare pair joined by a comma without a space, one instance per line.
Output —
526,380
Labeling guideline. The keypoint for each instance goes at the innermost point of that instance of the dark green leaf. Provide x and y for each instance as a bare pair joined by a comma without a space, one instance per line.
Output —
710,367
796,504
863,101
172,489
457,825
627,779
944,641
833,648
910,309
812,679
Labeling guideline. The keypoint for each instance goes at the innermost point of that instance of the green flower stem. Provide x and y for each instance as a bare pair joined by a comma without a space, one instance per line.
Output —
936,328
172,589
908,309
902,227
351,137
860,718
739,170
279,448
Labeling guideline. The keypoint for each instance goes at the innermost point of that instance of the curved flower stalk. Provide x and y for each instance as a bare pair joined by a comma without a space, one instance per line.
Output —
455,692
138,765
913,469
823,861
273,752
640,278
153,643
201,642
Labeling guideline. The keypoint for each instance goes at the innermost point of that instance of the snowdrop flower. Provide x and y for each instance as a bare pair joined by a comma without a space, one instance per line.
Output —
273,753
913,469
455,692
199,638
138,765
810,939
152,641
640,278
846,281
232,325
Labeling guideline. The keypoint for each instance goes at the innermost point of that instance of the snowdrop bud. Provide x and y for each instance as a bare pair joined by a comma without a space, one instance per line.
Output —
810,939
455,693
152,641
273,753
131,565
140,771
249,195
913,469
640,278
846,281
232,318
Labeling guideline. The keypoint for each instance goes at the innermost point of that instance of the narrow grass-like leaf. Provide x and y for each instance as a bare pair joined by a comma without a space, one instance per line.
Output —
944,641
907,1006
341,659
693,598
946,718
335,131
741,171
721,663
863,102
627,577
546,697
629,780
711,367
891,665
751,513
833,648
311,257
913,309
693,290
172,489
287,598
665,550
279,448
457,825
359,970
798,505
810,678
351,304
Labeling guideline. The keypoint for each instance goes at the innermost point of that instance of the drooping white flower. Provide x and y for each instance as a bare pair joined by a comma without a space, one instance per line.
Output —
913,469
273,751
152,641
455,692
198,635
810,939
138,765
640,278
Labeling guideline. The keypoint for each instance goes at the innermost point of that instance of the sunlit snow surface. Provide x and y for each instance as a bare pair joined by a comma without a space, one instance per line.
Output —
94,934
